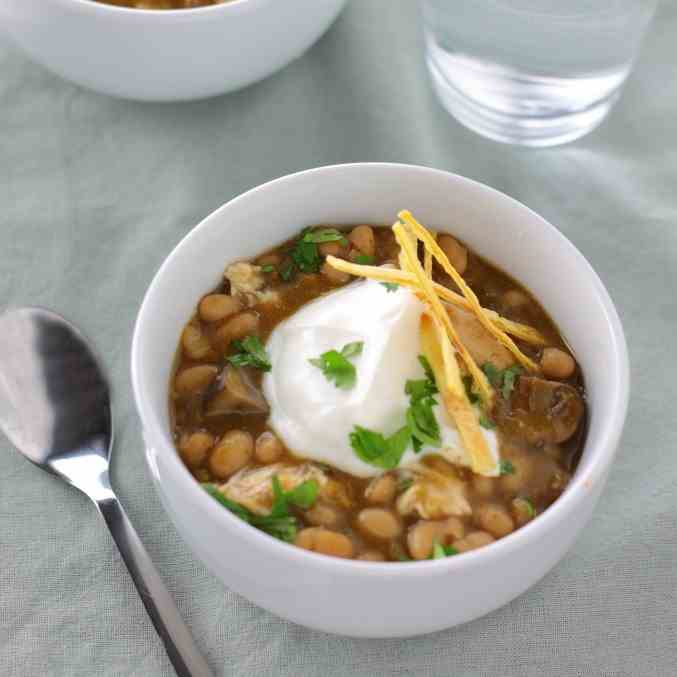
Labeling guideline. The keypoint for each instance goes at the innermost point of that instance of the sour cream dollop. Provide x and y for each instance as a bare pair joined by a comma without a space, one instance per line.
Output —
312,416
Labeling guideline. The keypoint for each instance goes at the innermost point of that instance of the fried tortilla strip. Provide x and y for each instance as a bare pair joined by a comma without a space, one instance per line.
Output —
439,353
406,279
428,259
484,389
421,233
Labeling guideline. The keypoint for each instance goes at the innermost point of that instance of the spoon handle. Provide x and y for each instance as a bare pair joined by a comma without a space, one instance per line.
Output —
174,633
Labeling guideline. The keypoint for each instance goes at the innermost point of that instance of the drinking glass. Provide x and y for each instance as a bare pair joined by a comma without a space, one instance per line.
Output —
532,72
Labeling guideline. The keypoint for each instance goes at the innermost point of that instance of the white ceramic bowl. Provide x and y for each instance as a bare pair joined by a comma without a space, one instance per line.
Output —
166,55
364,598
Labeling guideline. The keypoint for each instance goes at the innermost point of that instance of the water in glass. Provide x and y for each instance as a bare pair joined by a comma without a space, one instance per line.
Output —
535,72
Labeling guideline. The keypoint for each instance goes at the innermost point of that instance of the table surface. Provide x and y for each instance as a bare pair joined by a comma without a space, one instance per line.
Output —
95,192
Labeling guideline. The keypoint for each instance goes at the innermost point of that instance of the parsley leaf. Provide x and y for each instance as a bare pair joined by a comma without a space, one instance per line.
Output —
404,484
420,388
237,509
352,349
303,496
364,259
423,424
284,527
504,379
279,526
441,551
509,377
390,286
427,369
279,523
251,353
306,257
473,397
486,422
377,450
493,373
336,367
287,271
506,467
320,235
268,268
420,416
438,551
398,551
527,504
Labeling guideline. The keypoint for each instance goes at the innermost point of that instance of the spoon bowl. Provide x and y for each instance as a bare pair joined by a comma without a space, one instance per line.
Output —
55,409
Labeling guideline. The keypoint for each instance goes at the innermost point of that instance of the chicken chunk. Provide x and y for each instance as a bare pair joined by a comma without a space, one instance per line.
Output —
253,487
247,282
433,495
480,343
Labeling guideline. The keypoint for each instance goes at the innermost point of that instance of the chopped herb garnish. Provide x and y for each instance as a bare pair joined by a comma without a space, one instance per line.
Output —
506,467
390,286
237,509
282,527
268,268
528,506
279,523
303,496
493,373
336,367
404,484
420,416
438,551
420,388
509,377
304,255
287,271
377,450
320,235
504,379
352,349
398,552
364,260
473,397
429,374
250,353
441,551
423,424
486,422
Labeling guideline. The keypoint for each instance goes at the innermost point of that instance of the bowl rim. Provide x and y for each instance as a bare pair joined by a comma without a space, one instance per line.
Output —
233,6
582,483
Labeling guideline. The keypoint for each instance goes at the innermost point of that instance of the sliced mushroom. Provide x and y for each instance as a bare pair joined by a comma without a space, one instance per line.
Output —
236,393
545,411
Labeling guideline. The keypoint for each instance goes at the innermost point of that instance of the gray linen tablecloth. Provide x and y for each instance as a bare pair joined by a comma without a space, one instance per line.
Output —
95,192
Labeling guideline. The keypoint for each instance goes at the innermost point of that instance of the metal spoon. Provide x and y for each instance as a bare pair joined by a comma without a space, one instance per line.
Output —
55,409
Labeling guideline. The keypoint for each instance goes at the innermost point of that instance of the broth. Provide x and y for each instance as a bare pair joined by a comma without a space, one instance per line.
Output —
354,516
162,4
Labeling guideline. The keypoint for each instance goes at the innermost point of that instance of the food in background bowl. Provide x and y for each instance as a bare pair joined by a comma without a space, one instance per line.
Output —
166,55
163,4
356,397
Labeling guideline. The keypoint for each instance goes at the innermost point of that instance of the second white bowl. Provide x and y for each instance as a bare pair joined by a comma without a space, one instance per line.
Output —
166,55
370,599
